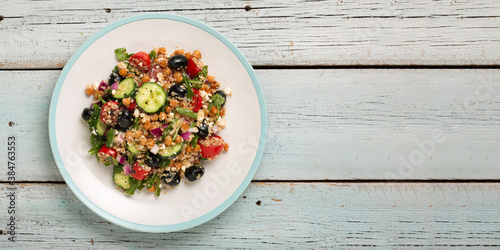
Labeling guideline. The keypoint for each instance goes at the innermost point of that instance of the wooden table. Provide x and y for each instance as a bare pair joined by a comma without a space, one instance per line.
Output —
383,123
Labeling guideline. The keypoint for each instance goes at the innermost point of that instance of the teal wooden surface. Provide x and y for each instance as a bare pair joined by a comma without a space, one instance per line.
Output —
362,123
44,34
336,134
290,215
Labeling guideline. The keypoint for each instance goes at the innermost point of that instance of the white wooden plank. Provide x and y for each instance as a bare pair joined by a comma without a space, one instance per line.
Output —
44,34
300,215
326,124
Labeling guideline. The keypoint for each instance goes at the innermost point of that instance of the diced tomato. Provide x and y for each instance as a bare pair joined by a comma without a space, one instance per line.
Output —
108,151
138,172
112,109
132,105
197,101
214,148
192,69
140,60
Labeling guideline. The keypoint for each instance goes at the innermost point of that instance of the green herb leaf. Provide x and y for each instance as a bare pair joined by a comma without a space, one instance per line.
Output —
121,54
185,79
152,55
186,112
158,189
194,141
204,71
134,184
97,142
164,163
109,138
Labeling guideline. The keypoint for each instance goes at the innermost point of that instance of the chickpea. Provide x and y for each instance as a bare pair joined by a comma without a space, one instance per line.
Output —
130,75
188,55
178,77
226,147
143,140
166,72
162,50
204,87
213,110
168,109
138,134
179,52
222,111
210,78
150,143
163,62
178,139
123,72
197,54
126,101
162,116
89,89
145,78
178,165
197,148
168,141
129,135
154,117
152,188
189,149
147,125
173,103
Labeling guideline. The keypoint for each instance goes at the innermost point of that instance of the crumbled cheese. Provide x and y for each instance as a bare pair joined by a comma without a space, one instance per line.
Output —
136,112
121,65
160,76
113,92
201,115
183,168
96,85
140,64
204,95
227,91
221,122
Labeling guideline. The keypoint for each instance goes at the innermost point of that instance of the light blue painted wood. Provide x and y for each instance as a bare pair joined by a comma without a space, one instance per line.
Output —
300,215
44,34
325,124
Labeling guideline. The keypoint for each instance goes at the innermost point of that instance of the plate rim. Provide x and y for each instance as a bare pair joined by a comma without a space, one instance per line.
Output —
143,227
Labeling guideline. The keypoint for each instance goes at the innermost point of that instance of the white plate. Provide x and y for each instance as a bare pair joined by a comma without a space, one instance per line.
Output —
189,204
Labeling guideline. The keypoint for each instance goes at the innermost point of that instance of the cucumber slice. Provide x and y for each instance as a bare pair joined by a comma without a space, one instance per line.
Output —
101,127
171,152
132,148
125,88
122,180
151,97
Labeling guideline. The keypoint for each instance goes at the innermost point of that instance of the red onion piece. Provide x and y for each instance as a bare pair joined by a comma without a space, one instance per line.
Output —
102,86
120,159
157,132
155,149
96,101
165,125
120,137
127,169
215,129
185,136
114,86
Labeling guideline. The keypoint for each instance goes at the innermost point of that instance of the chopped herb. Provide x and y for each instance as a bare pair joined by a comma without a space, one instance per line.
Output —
109,138
134,184
204,71
136,123
217,101
186,112
152,55
164,164
97,142
185,79
121,54
158,189
194,141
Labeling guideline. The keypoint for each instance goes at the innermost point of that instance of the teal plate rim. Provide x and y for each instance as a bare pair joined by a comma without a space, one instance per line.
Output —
155,228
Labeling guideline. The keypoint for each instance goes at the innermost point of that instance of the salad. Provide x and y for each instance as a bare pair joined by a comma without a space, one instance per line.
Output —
156,119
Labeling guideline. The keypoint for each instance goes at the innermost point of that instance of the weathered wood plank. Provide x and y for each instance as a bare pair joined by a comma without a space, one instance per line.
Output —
302,215
325,124
44,34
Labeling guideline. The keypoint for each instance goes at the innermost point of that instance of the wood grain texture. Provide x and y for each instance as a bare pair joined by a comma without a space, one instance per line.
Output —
338,124
44,34
299,215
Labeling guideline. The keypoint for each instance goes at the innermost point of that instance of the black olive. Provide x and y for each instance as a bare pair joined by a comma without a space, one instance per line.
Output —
125,120
115,77
86,114
220,92
171,178
177,90
107,97
203,131
177,62
194,172
153,161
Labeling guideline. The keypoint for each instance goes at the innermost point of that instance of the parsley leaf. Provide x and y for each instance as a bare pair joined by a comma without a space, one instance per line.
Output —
185,79
109,138
152,55
204,71
121,54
